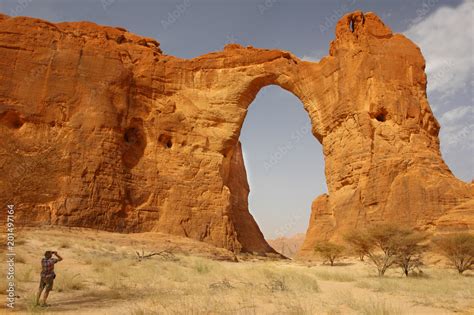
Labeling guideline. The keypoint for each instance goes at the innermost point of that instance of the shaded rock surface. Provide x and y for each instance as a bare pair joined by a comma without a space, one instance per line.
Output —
100,129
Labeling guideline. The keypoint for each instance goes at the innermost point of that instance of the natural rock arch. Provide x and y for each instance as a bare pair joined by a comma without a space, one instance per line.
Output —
95,89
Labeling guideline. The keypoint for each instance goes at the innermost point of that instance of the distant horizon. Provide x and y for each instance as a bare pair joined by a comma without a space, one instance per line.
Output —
284,162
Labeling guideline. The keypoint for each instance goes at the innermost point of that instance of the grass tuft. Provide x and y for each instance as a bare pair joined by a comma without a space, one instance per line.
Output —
66,282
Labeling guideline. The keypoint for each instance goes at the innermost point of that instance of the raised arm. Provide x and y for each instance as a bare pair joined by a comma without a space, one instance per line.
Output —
57,255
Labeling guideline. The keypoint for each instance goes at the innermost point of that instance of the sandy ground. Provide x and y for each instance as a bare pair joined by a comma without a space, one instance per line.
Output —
101,274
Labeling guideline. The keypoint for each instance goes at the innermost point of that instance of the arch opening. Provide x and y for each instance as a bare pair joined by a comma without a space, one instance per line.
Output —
284,164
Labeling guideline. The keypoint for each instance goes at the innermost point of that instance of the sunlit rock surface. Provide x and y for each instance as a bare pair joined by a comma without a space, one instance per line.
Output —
99,128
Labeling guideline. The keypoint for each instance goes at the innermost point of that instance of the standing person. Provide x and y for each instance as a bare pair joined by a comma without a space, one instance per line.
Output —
47,275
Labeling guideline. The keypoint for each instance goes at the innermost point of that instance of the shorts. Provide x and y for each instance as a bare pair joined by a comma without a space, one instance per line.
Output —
47,283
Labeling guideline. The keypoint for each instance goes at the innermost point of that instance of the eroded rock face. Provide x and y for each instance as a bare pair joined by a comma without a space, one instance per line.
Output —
100,129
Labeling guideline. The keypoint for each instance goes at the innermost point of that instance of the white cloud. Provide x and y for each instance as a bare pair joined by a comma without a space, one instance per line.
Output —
314,56
457,114
459,136
445,38
457,128
310,58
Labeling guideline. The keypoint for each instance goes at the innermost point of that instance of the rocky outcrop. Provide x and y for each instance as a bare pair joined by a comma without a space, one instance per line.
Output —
288,246
383,162
100,129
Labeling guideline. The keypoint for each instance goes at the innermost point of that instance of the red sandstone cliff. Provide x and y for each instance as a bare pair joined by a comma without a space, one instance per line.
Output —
100,129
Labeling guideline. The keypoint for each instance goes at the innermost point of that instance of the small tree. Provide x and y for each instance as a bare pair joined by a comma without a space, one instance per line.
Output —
383,249
458,248
329,251
387,245
411,246
358,242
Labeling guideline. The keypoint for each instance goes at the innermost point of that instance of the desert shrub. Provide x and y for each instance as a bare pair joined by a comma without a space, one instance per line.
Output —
277,284
329,251
202,266
221,285
458,248
388,245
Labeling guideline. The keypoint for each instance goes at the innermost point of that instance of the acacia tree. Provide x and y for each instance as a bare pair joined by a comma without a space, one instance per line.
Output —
411,246
382,246
458,248
329,251
358,243
388,245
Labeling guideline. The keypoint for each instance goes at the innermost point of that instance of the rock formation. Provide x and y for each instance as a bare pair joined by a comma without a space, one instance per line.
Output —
288,246
100,129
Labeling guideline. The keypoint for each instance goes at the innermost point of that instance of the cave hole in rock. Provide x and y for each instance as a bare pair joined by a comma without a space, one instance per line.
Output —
381,115
134,143
12,119
131,135
165,140
285,167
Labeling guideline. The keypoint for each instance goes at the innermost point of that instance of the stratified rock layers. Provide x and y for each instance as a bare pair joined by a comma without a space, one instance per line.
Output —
100,129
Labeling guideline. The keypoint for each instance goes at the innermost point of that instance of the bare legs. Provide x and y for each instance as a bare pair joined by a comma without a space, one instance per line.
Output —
45,296
38,295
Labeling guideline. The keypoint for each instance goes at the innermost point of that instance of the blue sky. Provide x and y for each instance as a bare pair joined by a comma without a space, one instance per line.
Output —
284,162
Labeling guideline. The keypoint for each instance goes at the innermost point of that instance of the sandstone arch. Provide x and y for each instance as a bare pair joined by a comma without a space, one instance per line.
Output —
86,86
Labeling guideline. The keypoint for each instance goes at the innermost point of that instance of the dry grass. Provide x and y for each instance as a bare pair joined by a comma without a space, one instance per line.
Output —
31,307
334,275
438,288
20,258
65,244
377,307
67,281
25,274
112,278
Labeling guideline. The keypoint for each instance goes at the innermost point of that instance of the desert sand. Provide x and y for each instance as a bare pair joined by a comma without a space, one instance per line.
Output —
101,274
